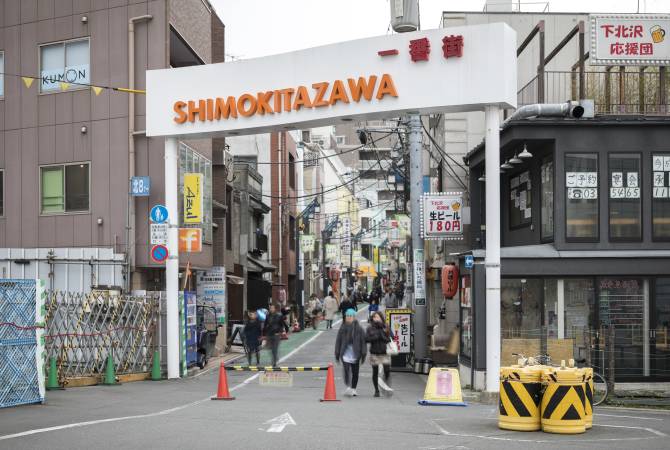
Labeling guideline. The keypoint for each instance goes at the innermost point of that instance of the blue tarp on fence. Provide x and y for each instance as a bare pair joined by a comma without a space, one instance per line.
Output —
21,342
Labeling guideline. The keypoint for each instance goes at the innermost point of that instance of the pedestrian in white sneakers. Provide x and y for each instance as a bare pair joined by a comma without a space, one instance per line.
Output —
377,334
350,348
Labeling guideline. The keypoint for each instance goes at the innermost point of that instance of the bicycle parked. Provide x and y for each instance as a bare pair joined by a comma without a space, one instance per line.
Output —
600,386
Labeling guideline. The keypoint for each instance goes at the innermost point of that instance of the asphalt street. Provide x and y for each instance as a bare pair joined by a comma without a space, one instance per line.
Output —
179,414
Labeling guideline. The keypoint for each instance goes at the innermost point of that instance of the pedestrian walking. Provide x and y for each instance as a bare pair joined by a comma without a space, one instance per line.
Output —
350,349
315,309
251,336
331,306
378,336
345,305
274,326
389,300
373,307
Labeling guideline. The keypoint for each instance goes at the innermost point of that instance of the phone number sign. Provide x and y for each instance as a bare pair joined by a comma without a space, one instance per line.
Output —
442,215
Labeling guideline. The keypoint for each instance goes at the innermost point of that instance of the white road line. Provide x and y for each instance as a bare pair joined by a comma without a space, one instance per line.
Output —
154,414
629,417
641,410
562,440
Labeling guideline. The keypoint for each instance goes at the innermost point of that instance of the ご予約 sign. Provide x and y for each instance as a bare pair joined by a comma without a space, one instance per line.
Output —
442,215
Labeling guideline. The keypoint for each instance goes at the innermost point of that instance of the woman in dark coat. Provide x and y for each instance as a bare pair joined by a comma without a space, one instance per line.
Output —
350,349
251,336
378,336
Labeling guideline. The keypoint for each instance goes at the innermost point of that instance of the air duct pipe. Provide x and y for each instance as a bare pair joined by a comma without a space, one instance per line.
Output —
567,109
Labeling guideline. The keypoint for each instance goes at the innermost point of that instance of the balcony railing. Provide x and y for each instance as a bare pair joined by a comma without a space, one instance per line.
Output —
614,91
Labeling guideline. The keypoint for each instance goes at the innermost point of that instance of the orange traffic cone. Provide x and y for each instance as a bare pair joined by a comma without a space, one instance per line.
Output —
222,392
329,394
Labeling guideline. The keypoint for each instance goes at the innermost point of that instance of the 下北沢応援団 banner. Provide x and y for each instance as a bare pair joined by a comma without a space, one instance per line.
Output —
630,39
442,70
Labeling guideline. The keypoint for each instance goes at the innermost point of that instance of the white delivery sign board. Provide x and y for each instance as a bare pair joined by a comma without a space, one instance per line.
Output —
630,39
384,76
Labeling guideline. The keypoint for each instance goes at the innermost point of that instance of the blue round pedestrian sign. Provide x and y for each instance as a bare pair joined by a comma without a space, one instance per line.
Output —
159,253
159,214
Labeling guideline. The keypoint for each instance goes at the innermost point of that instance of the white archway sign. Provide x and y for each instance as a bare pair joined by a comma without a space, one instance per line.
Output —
364,79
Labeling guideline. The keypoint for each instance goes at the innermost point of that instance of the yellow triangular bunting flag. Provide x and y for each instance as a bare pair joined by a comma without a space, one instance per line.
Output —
96,89
64,86
28,81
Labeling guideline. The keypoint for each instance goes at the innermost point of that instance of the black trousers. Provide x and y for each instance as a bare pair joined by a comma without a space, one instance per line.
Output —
351,374
273,340
375,375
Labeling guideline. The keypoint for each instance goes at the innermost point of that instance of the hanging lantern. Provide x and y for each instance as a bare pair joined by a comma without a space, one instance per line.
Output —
449,280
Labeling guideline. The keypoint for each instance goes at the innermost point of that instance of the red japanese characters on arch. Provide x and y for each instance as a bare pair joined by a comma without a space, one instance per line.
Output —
630,39
419,49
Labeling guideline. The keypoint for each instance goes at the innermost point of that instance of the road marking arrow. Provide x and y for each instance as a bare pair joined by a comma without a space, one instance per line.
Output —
278,423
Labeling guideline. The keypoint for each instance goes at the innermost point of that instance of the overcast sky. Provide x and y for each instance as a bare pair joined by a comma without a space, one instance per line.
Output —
266,27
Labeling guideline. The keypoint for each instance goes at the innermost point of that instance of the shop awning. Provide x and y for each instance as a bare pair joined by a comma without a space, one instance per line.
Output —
258,265
232,279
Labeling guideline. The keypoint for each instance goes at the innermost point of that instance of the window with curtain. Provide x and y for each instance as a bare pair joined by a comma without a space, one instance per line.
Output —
64,188
547,199
581,199
67,62
625,204
660,201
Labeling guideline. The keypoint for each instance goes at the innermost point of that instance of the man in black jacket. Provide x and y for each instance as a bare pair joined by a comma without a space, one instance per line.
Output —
274,325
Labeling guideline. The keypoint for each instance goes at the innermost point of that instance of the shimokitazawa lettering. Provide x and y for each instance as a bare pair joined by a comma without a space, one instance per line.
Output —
285,100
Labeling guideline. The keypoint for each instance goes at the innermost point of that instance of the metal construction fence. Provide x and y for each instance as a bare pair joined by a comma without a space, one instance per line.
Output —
82,329
21,342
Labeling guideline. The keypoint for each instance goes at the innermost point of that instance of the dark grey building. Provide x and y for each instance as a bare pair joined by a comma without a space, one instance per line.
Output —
67,151
585,252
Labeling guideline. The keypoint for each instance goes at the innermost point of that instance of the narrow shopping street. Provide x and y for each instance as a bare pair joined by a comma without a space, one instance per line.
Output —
180,414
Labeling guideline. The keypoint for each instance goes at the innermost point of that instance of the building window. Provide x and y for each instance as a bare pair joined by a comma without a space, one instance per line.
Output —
521,308
547,199
191,161
291,171
581,204
2,74
64,62
520,200
660,202
64,188
2,193
625,206
291,233
229,219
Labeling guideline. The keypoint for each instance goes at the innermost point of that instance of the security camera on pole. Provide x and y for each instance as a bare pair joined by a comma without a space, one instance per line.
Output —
404,18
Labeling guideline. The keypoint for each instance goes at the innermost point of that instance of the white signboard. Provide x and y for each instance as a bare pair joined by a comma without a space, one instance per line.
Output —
212,289
581,179
401,327
661,180
159,233
441,215
346,236
582,193
419,278
630,39
440,70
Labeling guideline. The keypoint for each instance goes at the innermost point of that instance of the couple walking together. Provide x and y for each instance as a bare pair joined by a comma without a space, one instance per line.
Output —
351,350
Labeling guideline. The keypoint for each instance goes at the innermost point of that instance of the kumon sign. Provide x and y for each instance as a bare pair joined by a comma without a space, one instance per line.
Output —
443,70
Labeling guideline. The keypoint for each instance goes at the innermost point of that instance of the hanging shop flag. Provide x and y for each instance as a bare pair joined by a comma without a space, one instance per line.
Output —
190,240
193,198
307,242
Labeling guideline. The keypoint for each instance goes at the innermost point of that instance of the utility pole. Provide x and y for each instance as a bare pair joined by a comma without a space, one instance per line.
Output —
416,189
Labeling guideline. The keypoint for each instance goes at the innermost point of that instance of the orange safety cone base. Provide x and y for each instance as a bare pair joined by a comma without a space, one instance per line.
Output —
222,391
329,394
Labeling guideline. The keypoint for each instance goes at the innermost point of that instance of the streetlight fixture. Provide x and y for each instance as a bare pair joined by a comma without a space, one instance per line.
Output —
525,154
515,160
506,165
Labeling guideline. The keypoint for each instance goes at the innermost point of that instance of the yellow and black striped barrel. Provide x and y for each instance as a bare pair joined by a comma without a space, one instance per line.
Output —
564,401
588,388
520,394
275,369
